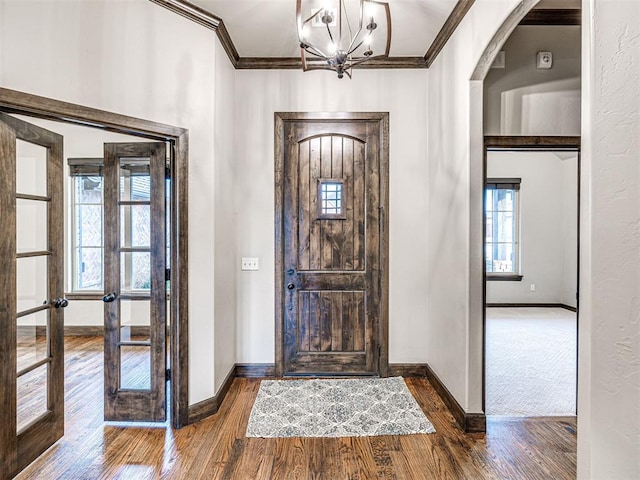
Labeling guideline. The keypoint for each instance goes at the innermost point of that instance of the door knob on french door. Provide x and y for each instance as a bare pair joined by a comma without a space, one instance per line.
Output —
108,298
59,302
291,286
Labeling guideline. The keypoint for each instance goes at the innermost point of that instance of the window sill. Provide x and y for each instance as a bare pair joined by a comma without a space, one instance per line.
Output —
503,278
99,295
84,295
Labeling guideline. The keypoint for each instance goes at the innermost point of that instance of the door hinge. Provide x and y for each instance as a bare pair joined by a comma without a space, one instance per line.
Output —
167,374
167,274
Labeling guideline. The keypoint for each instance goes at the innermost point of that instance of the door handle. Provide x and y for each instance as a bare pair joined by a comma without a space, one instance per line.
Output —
59,302
291,286
108,298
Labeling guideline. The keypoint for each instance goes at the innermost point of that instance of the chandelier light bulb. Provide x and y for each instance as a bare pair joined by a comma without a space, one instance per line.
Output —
344,40
370,9
326,17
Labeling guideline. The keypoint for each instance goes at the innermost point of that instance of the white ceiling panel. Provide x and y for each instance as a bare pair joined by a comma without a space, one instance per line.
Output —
267,28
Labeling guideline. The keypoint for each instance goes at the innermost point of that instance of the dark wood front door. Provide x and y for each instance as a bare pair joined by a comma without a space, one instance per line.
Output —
135,287
331,201
31,293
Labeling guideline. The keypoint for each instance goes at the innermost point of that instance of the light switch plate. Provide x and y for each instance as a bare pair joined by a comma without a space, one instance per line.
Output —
250,263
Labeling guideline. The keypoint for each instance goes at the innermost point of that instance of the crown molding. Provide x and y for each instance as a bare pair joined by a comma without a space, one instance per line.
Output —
552,16
206,19
227,44
294,63
215,23
450,25
191,11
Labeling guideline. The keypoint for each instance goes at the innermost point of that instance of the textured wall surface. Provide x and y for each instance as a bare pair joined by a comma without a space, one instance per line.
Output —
609,363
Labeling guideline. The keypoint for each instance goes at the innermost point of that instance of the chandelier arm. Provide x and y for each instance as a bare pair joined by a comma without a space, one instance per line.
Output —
317,54
313,16
299,23
388,13
340,8
331,36
348,22
354,38
355,48
315,50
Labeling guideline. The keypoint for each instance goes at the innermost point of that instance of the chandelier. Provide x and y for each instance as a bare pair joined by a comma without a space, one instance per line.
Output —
329,41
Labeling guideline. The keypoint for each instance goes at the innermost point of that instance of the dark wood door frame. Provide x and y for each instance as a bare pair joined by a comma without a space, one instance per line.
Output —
523,144
13,101
280,118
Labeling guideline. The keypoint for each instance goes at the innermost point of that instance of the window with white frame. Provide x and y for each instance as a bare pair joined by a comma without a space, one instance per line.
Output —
502,244
87,235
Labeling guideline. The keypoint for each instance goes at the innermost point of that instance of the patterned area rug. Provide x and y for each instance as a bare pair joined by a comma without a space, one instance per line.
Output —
336,408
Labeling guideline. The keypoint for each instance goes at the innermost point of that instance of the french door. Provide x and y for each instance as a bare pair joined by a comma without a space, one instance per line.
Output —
31,293
134,281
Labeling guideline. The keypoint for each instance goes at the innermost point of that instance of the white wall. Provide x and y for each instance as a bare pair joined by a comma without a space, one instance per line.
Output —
226,262
401,93
136,58
609,338
548,213
570,211
522,100
454,186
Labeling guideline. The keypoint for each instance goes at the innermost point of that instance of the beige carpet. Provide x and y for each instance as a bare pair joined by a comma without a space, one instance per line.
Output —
531,362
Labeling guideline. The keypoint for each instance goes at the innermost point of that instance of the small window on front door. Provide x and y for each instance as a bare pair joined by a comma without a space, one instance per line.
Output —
331,198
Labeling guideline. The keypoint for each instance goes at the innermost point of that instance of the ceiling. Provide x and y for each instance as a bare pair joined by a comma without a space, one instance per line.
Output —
267,28
262,33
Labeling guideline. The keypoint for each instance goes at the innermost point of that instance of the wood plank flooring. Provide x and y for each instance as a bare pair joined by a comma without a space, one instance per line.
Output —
216,447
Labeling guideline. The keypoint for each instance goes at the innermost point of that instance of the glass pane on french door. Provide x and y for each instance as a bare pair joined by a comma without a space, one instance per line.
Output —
32,283
31,169
135,344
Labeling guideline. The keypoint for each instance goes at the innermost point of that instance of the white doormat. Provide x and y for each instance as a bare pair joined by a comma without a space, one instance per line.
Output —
336,408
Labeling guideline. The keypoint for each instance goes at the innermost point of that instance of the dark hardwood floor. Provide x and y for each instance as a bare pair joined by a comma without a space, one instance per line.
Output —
216,448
